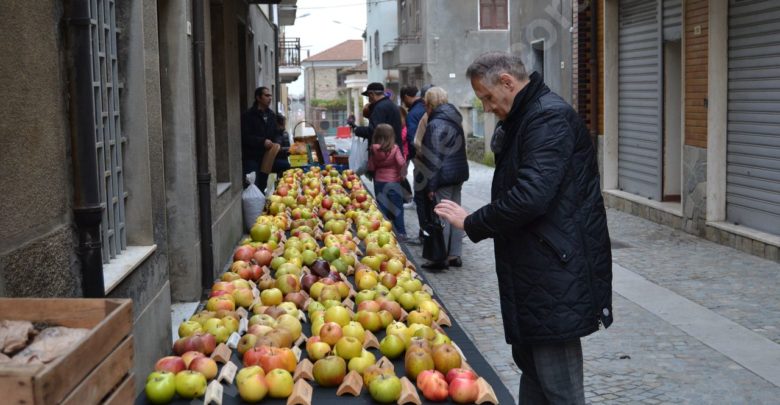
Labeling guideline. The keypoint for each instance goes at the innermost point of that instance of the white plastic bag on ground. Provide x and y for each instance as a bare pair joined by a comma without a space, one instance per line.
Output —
253,201
358,155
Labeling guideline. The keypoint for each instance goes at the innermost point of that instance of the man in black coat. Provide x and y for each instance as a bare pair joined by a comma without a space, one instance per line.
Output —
549,227
383,111
258,132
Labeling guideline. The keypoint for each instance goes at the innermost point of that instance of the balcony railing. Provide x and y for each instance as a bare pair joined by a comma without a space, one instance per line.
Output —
290,52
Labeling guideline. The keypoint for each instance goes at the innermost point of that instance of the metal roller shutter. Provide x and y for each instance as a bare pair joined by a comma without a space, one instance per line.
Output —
672,20
753,148
640,98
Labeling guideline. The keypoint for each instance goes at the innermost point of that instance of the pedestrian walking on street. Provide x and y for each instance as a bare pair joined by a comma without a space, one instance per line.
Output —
387,162
443,157
418,120
549,226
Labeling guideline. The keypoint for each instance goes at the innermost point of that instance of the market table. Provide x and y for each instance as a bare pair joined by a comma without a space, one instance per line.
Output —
323,395
328,396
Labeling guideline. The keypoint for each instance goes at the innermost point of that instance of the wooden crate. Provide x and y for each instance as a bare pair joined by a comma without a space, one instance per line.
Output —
96,367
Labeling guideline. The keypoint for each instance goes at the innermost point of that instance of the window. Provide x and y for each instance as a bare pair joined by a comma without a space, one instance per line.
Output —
109,142
493,15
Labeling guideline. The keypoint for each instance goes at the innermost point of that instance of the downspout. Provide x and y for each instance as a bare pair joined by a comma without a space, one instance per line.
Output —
276,64
87,208
594,75
201,147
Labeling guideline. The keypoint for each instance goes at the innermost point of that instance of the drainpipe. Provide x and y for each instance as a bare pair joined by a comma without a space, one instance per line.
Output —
276,64
201,147
87,208
594,75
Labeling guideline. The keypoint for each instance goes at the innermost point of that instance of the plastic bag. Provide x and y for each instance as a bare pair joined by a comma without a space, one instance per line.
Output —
358,155
253,201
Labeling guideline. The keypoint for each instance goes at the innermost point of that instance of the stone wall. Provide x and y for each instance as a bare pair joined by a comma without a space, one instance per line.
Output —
694,193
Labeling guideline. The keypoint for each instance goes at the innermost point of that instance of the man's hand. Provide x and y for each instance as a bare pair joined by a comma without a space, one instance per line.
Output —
268,144
430,195
451,212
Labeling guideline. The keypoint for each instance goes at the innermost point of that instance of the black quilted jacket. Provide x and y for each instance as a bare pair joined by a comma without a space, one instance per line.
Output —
548,223
443,152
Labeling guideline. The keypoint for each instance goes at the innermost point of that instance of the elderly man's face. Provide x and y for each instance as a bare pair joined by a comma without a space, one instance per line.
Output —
497,98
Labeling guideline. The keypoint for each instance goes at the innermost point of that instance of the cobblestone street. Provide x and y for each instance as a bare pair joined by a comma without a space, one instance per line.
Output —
643,358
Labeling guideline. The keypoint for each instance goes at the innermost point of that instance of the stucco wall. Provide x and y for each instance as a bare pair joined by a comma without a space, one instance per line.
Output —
36,242
382,17
452,40
177,101
549,22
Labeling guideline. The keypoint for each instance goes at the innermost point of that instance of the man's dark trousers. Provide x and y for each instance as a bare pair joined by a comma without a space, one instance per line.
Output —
552,373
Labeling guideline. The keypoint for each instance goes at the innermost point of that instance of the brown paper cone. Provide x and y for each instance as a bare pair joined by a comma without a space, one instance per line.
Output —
370,340
408,393
222,353
485,392
352,384
213,393
303,370
301,394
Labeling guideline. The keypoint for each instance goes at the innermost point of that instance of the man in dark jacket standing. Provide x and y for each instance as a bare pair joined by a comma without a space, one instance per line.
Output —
383,111
414,103
549,227
258,132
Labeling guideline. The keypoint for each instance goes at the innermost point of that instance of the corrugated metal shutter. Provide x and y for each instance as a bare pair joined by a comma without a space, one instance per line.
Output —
753,149
639,98
672,20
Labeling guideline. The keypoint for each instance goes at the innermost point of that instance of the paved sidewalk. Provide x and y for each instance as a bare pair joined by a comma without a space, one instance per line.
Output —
651,354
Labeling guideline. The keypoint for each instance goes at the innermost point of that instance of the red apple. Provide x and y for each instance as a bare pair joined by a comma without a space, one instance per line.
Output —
460,373
330,333
280,383
172,364
263,257
188,357
243,253
426,374
251,384
463,390
436,389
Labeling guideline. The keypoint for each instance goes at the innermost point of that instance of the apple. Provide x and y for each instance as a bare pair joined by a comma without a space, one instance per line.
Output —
330,371
288,283
407,301
386,388
421,317
243,297
204,365
426,374
320,268
330,333
251,384
160,387
271,296
349,347
201,342
172,364
417,361
460,373
440,339
263,257
221,302
291,324
436,389
421,296
412,285
280,383
238,265
202,316
367,282
262,319
393,307
337,314
329,292
317,350
354,329
446,358
463,390
220,332
392,346
260,232
190,384
360,363
394,267
365,295
222,286
370,320
370,306
430,307
247,342
189,356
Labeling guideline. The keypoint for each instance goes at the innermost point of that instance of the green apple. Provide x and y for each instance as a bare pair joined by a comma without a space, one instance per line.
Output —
309,256
251,384
354,329
337,314
360,363
190,384
260,232
160,387
406,300
392,346
187,328
331,253
349,347
280,383
385,389
364,295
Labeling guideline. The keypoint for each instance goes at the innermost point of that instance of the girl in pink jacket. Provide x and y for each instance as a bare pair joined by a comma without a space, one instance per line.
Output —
387,162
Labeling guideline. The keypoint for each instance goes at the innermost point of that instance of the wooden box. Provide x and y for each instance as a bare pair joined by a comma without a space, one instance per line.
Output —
96,370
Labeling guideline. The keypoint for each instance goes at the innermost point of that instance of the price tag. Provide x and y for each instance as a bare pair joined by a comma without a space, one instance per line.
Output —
228,372
232,341
243,324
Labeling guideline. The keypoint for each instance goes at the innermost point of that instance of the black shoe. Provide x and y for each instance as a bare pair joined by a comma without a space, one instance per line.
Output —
434,266
456,262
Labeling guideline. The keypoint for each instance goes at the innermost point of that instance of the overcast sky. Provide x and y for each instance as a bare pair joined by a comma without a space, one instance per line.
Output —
321,24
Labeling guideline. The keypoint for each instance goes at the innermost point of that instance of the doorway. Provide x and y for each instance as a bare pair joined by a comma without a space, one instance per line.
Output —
672,141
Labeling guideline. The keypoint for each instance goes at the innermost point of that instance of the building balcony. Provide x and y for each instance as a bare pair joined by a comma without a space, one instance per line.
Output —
403,52
287,11
289,59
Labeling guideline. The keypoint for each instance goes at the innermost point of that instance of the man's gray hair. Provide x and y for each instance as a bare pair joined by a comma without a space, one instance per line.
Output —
489,66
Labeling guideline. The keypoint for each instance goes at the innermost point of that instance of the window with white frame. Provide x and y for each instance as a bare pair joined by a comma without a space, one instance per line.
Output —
493,15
